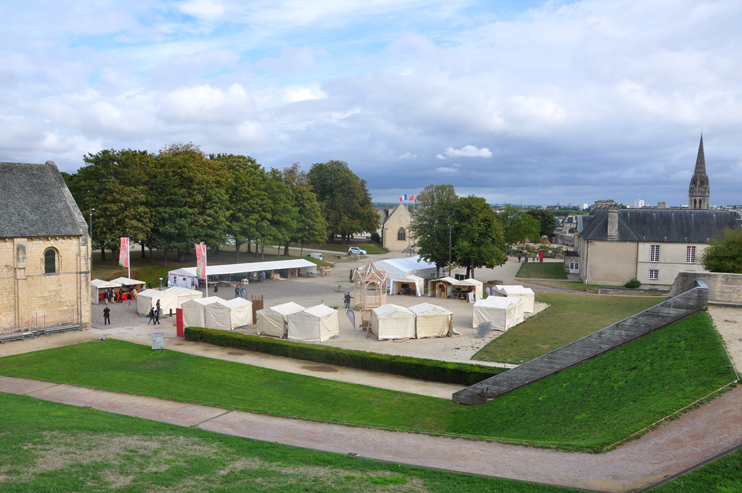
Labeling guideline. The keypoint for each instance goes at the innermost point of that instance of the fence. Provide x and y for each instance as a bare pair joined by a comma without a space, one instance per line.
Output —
38,321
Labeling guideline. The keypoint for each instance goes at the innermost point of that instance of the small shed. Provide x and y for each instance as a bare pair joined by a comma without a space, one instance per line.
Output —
313,324
518,291
273,321
98,286
228,314
193,311
501,312
393,322
432,320
411,285
448,287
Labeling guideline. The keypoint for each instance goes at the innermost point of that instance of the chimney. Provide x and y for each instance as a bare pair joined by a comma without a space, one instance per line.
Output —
612,224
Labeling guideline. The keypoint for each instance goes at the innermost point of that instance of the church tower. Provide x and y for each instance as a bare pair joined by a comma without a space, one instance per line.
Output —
698,192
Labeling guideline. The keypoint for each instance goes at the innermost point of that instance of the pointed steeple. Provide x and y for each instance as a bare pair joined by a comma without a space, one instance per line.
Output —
700,161
698,191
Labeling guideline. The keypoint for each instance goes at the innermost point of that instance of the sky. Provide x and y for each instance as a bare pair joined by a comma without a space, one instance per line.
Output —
516,101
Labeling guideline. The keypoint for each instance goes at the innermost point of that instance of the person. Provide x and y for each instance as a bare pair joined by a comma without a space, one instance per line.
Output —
157,314
121,295
347,300
519,258
323,302
216,288
106,316
157,305
151,315
105,296
236,292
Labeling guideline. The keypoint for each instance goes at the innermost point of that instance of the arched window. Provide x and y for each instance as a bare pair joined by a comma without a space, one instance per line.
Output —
50,261
401,234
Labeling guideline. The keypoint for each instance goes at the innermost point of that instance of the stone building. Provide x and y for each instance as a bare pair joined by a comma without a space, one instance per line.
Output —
44,250
395,232
698,191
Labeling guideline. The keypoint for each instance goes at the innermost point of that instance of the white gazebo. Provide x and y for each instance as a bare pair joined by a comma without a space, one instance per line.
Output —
370,286
393,322
503,313
314,324
518,291
432,320
273,321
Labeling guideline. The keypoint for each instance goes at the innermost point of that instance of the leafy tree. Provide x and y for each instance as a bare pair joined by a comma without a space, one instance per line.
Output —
433,222
724,253
284,216
521,229
311,226
546,219
478,235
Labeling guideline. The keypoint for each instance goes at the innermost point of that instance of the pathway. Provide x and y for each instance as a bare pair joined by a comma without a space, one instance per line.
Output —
696,436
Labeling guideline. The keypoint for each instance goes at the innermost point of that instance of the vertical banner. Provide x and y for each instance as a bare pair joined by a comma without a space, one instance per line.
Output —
201,261
124,253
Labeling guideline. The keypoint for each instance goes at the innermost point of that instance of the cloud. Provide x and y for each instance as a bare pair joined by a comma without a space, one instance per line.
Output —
207,104
468,151
408,155
440,156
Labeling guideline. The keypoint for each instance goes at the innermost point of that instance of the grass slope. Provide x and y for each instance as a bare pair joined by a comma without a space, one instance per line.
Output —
568,318
587,407
721,476
542,270
49,447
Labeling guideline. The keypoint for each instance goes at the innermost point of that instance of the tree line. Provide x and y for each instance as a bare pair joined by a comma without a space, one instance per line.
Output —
180,196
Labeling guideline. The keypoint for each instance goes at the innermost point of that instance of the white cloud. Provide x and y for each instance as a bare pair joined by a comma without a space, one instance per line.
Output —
207,104
443,169
295,94
408,155
205,9
468,151
440,156
457,164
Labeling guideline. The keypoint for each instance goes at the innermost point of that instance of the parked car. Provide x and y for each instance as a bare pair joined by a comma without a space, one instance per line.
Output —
356,251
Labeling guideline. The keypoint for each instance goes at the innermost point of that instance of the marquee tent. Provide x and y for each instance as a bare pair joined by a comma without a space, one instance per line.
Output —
272,321
411,282
186,277
518,291
171,298
228,314
193,311
502,313
454,288
401,267
313,324
393,322
125,281
432,320
97,287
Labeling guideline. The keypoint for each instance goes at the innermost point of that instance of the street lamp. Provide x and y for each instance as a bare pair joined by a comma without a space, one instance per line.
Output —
160,284
91,226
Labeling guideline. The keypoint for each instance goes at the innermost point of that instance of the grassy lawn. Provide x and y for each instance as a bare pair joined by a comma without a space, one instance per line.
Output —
370,247
542,270
578,286
568,318
721,476
587,407
49,447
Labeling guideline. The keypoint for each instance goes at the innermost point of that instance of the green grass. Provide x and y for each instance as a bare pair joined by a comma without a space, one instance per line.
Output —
542,270
721,476
568,318
587,407
371,248
578,286
50,447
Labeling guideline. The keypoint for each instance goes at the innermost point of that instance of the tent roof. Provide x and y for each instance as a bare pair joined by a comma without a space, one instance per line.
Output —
176,290
98,283
389,308
215,270
498,302
409,264
205,301
409,278
235,302
320,311
127,282
427,307
462,282
285,308
151,293
515,289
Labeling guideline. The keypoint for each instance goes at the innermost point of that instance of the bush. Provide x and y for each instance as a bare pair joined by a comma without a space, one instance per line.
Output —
376,238
421,369
633,284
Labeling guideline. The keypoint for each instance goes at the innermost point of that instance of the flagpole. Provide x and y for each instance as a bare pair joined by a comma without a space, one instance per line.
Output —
206,276
128,255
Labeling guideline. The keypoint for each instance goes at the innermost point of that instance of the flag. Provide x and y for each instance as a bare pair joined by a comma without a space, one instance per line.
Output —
400,199
124,253
201,261
412,197
352,318
405,196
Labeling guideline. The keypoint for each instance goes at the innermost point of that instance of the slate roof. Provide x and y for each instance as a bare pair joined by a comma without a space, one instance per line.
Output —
656,225
35,201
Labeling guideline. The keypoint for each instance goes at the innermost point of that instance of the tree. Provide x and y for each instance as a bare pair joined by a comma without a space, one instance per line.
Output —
283,221
478,235
724,253
546,219
311,227
521,229
433,222
344,199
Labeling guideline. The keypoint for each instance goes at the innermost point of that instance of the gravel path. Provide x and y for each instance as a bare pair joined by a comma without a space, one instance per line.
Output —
673,447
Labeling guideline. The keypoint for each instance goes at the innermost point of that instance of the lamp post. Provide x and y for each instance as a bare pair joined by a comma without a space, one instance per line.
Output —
91,227
160,284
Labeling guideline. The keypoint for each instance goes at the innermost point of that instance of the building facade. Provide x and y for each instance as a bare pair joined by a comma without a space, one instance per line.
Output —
44,250
699,191
395,235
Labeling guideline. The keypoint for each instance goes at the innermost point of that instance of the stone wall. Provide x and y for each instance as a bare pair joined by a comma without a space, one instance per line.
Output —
589,347
399,218
723,288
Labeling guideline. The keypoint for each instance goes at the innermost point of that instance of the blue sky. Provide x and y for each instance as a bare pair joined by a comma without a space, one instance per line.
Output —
534,102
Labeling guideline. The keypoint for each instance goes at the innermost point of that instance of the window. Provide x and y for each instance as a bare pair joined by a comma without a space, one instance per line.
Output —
690,255
654,254
50,261
401,234
654,274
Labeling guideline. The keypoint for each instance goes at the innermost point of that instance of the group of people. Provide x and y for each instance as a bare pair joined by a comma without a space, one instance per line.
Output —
154,315
109,294
526,259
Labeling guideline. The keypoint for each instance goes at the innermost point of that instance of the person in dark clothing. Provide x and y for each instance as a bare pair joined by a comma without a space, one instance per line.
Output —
519,258
236,292
151,315
216,288
121,295
347,298
106,316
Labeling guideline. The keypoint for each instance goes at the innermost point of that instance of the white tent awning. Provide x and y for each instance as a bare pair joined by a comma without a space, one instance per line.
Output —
314,324
272,321
393,322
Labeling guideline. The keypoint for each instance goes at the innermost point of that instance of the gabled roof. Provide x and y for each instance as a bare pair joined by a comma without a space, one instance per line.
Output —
35,201
660,225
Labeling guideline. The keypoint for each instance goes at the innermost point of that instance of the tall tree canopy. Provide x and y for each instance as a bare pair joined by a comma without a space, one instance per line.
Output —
725,252
311,227
433,222
546,220
518,227
478,235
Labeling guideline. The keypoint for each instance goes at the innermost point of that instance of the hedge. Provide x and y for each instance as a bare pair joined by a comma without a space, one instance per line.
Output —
421,369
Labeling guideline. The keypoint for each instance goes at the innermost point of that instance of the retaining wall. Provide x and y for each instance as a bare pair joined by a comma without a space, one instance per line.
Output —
674,309
723,288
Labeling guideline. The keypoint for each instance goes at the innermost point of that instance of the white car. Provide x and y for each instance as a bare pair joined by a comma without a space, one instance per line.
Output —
356,251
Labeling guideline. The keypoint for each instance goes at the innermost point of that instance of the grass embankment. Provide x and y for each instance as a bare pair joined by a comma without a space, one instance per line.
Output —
568,318
578,286
721,476
48,447
587,407
541,270
371,248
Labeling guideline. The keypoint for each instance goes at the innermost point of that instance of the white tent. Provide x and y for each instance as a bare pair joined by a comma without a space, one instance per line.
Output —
228,314
193,311
393,322
97,287
272,321
313,324
402,267
186,277
432,320
518,291
125,281
411,282
502,313
454,286
171,298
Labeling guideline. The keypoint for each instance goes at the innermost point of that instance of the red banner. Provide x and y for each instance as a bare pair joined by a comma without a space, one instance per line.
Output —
124,253
201,261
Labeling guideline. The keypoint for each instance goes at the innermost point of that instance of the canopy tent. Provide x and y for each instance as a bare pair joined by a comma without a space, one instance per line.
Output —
448,287
272,321
97,287
125,281
228,314
432,320
502,313
313,324
402,267
170,299
518,291
408,285
393,322
193,311
186,277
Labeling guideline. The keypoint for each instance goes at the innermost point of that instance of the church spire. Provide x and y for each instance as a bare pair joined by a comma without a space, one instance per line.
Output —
698,192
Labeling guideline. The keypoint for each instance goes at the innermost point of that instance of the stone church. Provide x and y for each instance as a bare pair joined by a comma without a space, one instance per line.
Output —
395,232
698,191
44,250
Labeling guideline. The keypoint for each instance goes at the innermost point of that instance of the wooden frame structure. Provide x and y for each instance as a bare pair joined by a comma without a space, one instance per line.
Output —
371,284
